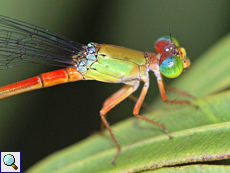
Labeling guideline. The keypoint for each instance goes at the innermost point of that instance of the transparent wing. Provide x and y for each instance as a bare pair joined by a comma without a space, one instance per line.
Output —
23,43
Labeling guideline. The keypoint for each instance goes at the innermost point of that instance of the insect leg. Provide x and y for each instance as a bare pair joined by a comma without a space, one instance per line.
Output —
133,98
112,101
164,96
179,91
138,105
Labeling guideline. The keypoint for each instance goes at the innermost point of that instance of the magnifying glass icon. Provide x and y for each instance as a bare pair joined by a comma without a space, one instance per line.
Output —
9,160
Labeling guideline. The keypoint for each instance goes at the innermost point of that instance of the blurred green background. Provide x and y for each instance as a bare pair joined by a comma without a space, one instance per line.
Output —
40,122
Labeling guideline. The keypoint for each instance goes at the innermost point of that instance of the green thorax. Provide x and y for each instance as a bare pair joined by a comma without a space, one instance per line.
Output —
109,63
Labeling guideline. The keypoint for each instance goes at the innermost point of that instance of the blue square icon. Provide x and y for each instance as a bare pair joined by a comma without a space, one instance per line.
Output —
10,161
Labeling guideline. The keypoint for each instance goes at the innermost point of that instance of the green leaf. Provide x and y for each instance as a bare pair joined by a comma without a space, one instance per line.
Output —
207,142
198,134
194,168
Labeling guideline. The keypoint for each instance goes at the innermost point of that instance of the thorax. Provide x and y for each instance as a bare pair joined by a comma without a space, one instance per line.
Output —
114,64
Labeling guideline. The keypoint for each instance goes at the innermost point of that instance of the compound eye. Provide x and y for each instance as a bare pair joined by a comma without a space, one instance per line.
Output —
164,41
171,67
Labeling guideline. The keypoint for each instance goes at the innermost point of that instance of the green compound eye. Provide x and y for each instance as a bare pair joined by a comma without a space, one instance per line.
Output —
171,67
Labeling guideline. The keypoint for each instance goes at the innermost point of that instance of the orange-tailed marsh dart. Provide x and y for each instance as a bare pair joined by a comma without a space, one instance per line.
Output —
22,43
